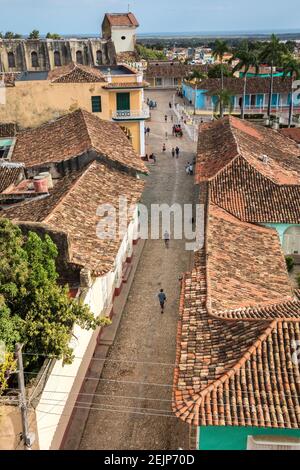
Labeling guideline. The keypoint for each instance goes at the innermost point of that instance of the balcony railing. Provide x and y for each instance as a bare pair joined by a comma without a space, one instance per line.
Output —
125,115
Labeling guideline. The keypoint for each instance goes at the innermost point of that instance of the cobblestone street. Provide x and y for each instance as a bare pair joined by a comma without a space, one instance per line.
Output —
135,390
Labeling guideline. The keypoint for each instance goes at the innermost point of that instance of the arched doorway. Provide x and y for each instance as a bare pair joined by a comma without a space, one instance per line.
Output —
57,59
11,60
291,241
79,57
99,57
34,60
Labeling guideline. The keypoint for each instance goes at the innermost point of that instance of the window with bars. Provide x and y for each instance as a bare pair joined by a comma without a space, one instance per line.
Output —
96,104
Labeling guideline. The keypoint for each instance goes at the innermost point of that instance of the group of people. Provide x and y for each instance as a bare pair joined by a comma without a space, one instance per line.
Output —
189,168
177,130
152,104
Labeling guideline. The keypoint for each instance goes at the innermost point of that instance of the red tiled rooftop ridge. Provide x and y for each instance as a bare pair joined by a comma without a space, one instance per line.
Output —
75,73
71,208
72,135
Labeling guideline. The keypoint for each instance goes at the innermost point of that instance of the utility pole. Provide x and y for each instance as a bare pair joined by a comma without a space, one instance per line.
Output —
27,437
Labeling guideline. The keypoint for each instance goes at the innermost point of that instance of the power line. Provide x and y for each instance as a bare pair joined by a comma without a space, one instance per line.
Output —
111,411
225,405
104,380
213,415
105,396
104,360
79,403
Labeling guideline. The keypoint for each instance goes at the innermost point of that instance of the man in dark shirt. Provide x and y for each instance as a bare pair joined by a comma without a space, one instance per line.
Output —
162,299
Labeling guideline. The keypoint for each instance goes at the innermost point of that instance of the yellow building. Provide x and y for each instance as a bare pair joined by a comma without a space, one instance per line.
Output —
111,92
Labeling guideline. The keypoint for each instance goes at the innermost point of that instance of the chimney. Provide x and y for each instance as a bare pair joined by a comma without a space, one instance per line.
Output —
40,184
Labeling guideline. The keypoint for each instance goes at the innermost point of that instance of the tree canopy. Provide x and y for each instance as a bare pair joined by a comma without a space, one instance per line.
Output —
34,308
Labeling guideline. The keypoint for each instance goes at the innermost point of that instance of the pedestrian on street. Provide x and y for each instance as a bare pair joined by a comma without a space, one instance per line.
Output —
191,169
172,118
173,152
170,105
162,299
166,118
166,135
167,238
177,151
148,131
187,168
164,148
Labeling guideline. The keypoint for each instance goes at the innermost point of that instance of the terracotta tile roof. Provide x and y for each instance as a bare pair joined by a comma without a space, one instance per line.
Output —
172,69
9,175
8,129
122,19
231,246
224,140
292,133
72,135
245,193
255,85
71,207
235,371
75,73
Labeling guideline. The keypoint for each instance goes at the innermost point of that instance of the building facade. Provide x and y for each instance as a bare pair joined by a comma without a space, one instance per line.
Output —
203,94
114,93
118,36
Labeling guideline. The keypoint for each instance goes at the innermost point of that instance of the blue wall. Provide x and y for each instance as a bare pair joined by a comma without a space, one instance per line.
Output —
281,228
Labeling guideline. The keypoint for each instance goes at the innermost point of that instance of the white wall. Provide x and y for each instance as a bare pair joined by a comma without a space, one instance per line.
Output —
127,45
64,383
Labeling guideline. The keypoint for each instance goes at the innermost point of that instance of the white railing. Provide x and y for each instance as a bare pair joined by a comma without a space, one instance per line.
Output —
132,114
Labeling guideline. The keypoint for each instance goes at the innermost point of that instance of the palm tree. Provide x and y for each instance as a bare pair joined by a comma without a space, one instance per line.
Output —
272,53
291,68
224,100
220,49
197,75
247,58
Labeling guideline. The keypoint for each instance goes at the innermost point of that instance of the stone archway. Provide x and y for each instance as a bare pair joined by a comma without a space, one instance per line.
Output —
291,240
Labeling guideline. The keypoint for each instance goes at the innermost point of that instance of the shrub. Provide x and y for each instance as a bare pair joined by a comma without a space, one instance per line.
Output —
289,263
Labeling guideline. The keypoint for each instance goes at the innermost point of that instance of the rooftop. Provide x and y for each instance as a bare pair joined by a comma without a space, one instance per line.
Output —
121,19
255,85
72,135
236,332
71,208
254,172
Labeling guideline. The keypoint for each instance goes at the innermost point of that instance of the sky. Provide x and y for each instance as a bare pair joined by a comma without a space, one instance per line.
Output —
85,16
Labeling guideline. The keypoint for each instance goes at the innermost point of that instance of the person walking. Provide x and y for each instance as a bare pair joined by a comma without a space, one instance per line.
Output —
162,299
170,105
164,148
177,151
166,118
167,239
173,152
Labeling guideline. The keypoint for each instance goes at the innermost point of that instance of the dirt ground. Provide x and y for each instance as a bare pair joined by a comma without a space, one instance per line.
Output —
137,414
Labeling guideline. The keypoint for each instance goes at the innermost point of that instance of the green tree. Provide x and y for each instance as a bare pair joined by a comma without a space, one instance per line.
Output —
197,75
223,101
35,34
219,50
42,309
247,58
9,35
218,70
272,53
149,54
291,68
53,36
